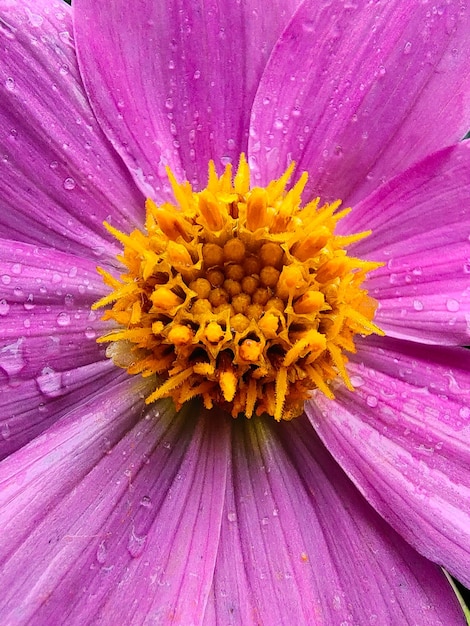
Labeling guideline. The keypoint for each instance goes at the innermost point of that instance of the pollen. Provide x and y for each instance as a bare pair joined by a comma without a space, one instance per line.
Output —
239,295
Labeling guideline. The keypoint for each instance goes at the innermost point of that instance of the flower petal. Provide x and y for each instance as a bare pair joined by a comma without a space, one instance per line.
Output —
402,437
299,545
45,311
60,177
420,225
355,92
109,518
172,83
29,407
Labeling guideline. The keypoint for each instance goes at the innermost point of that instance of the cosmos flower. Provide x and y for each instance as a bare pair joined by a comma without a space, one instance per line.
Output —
115,506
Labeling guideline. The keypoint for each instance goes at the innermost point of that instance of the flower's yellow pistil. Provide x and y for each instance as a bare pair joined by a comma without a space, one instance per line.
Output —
239,295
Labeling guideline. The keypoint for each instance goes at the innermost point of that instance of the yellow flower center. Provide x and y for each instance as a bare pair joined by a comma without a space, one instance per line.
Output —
239,296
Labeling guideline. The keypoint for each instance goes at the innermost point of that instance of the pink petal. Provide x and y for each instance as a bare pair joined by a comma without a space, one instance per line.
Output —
172,83
299,545
60,178
420,225
29,407
402,437
356,92
114,519
47,324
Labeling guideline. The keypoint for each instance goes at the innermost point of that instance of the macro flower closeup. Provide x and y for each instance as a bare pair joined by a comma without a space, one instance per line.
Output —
234,305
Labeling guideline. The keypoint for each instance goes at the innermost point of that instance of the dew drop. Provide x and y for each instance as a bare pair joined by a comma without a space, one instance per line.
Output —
464,412
357,381
5,430
136,544
407,48
63,319
69,184
418,305
372,401
232,516
101,553
452,305
146,502
4,307
90,333
50,382
10,83
6,280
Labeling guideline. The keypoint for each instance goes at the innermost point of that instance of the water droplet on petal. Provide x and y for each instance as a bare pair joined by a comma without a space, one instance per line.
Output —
452,305
10,83
63,319
4,307
136,544
69,184
50,382
372,401
5,430
146,502
101,553
232,516
418,305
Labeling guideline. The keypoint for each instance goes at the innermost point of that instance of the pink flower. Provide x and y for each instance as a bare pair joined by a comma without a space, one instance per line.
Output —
114,512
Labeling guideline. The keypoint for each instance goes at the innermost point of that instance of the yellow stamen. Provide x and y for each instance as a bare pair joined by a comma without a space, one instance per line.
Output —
239,296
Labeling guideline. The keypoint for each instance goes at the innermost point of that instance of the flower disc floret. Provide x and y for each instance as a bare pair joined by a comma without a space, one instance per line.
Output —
239,296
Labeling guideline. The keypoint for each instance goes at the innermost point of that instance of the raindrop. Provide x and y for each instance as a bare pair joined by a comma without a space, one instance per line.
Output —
5,430
101,553
264,521
50,382
6,280
69,184
464,412
197,74
407,48
452,305
90,333
53,165
4,307
10,83
418,305
136,544
357,381
372,401
63,319
232,516
11,357
146,502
